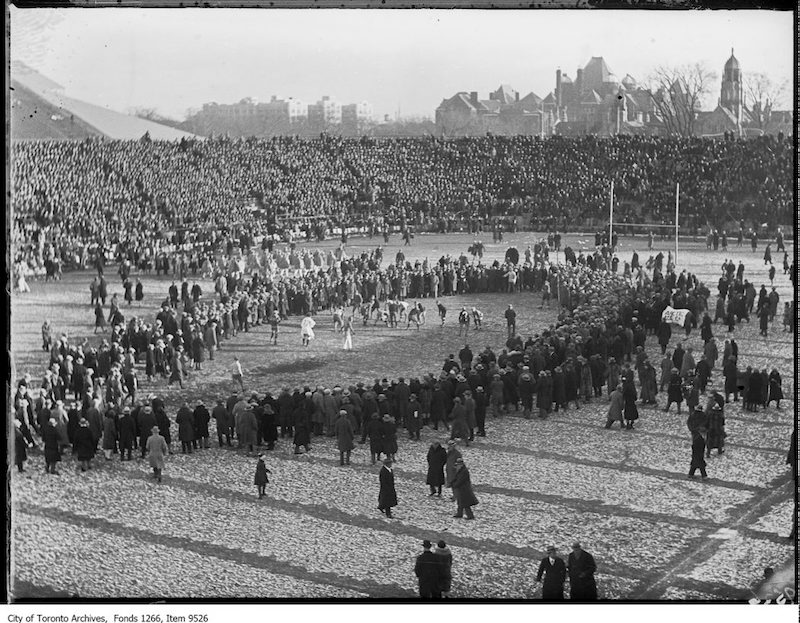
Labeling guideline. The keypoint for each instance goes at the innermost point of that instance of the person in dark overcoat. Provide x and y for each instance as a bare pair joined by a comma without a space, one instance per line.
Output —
200,417
261,479
84,445
458,418
22,441
775,388
716,429
446,560
437,458
429,570
414,417
698,451
301,422
629,412
373,430
185,421
109,434
223,420
388,429
554,572
674,390
462,490
344,437
52,446
146,422
581,568
126,429
731,374
387,495
270,427
453,454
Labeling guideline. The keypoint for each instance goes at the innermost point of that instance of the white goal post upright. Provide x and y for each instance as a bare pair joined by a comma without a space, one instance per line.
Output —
677,209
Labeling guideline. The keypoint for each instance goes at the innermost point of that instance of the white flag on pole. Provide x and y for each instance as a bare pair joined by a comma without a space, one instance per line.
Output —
675,316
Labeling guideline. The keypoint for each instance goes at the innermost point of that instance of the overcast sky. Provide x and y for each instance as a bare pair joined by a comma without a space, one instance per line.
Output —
176,59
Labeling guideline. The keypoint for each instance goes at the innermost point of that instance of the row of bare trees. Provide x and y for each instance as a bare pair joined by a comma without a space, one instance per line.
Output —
678,92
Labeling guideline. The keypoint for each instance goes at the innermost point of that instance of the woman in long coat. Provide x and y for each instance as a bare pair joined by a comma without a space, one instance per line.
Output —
674,390
437,458
84,445
775,388
387,495
157,450
462,491
52,446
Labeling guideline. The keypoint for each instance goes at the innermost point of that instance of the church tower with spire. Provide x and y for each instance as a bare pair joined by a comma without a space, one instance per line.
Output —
731,94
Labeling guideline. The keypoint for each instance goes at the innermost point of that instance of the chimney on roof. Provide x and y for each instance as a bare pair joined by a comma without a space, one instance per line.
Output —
579,82
473,98
517,95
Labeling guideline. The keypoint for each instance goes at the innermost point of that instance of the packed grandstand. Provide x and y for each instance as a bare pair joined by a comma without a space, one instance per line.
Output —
106,191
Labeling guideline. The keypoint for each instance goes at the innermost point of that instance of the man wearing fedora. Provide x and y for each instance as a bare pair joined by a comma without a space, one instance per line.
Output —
554,572
387,495
462,490
429,570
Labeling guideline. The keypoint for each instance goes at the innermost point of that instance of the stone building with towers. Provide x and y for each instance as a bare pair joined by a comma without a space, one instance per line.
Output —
732,114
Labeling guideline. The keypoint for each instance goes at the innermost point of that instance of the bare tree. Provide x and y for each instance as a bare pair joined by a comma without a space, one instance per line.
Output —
762,96
458,123
677,94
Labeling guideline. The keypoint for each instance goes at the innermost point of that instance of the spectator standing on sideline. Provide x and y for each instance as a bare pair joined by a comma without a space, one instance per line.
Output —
387,495
698,451
462,490
446,560
581,568
554,572
261,479
437,457
511,321
429,571
238,373
157,449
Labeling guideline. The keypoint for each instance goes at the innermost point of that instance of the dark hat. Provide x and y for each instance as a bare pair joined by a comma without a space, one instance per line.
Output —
441,545
426,544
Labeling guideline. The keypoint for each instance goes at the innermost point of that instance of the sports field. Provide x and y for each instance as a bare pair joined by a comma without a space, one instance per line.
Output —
318,534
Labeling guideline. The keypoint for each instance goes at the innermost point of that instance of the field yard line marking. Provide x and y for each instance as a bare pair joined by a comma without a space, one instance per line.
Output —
334,515
686,562
259,561
639,469
639,431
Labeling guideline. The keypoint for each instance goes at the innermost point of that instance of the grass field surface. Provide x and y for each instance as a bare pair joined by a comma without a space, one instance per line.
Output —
624,495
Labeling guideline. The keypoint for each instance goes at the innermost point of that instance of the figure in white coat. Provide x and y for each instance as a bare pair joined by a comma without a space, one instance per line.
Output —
307,329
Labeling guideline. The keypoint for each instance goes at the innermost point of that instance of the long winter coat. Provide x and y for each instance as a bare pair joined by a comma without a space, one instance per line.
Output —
698,449
109,432
261,478
462,488
388,437
246,428
84,445
630,411
185,421
437,458
452,454
616,406
716,430
157,449
126,428
52,448
344,434
387,495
